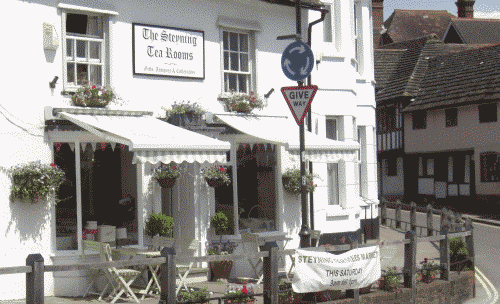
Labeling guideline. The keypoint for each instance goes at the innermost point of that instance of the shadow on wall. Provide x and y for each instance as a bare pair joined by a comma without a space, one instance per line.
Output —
29,220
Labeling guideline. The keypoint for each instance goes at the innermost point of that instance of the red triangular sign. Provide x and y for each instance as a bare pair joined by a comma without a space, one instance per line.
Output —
299,100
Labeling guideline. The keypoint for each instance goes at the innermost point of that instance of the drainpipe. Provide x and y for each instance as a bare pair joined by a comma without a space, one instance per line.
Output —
309,122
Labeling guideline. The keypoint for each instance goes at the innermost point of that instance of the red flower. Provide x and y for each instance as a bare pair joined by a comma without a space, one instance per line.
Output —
93,87
244,290
175,167
52,165
222,169
251,93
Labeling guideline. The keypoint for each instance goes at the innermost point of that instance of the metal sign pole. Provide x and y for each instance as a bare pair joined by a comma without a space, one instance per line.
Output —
305,235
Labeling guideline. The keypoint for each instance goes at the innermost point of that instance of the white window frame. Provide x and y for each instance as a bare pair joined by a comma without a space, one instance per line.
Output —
333,184
357,36
104,46
335,132
251,84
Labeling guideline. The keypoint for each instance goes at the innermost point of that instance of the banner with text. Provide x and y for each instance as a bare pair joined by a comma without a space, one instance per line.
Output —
167,51
317,271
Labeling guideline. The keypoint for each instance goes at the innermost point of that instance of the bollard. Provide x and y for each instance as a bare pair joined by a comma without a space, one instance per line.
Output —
270,270
353,293
444,215
383,212
34,279
469,242
430,220
398,214
444,253
167,277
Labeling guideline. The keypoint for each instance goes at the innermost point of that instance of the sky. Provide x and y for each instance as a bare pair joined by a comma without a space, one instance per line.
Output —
482,8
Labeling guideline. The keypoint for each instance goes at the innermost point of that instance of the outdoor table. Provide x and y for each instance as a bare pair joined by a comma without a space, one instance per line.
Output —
154,269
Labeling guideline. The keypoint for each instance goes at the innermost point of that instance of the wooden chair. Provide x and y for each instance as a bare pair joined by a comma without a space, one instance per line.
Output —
186,249
119,279
96,273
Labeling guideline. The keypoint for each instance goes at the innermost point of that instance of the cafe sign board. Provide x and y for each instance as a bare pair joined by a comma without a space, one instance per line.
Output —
317,271
168,51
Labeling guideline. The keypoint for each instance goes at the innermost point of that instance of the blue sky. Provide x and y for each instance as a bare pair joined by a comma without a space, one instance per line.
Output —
482,8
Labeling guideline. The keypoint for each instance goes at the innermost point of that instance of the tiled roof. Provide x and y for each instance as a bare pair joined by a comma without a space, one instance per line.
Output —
402,74
477,31
470,76
405,25
313,3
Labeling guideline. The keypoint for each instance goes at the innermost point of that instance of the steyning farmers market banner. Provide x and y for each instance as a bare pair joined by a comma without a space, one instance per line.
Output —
316,271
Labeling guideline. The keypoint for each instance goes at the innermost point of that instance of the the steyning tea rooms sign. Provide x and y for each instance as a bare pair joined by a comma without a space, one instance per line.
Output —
167,51
317,271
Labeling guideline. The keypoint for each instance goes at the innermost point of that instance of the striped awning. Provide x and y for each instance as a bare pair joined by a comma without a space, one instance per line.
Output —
152,140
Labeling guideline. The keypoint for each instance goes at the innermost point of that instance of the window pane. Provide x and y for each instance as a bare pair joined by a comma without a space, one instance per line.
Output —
225,39
95,74
80,48
231,82
69,47
234,62
244,42
242,81
233,41
71,72
95,50
82,74
244,62
76,23
94,26
226,60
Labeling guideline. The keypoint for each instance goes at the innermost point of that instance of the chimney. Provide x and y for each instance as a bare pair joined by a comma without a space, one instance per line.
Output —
465,8
378,20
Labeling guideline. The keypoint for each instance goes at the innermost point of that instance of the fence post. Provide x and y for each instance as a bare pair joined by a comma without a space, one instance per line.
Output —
410,264
469,242
460,222
398,214
383,212
353,293
34,279
444,215
413,216
167,277
430,220
444,253
270,270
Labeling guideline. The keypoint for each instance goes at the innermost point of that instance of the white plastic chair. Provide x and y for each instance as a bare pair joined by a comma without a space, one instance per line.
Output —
186,249
119,279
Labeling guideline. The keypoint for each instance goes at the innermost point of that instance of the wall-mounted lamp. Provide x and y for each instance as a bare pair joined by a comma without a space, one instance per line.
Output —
269,93
52,84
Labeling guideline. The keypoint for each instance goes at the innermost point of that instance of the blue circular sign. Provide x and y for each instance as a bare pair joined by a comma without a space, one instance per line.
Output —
297,61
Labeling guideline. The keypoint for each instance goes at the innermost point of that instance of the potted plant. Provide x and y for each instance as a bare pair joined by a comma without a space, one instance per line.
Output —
184,113
194,295
95,96
166,175
35,181
238,296
429,271
159,224
292,181
220,269
242,102
391,280
286,294
216,176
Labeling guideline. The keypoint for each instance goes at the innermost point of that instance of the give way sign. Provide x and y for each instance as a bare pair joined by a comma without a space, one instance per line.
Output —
299,100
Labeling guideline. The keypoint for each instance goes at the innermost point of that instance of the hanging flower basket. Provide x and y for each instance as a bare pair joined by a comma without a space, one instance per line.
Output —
292,181
166,182
94,96
35,181
242,102
215,182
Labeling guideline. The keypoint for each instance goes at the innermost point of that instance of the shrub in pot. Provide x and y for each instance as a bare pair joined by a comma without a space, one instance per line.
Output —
159,224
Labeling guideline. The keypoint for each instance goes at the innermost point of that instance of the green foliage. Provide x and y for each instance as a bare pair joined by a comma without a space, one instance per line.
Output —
93,96
216,172
391,280
194,295
458,252
429,270
35,181
292,181
240,294
161,224
184,107
219,222
242,102
285,288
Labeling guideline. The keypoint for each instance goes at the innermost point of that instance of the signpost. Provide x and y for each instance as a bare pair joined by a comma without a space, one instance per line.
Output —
297,61
299,100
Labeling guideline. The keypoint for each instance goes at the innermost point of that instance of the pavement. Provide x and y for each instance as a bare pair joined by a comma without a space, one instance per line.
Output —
390,256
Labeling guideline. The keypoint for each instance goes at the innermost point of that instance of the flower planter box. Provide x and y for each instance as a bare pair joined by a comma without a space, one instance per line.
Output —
166,182
328,295
186,120
290,299
221,269
238,301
